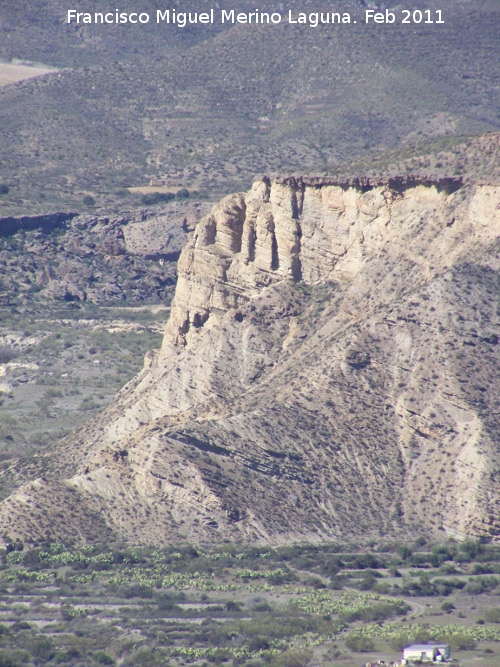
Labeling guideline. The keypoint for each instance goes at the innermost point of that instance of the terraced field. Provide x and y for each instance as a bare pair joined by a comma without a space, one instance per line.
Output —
328,605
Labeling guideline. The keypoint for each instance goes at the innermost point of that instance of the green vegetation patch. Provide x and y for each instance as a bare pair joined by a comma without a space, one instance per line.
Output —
235,605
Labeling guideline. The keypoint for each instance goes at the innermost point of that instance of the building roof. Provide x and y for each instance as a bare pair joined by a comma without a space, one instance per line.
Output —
424,647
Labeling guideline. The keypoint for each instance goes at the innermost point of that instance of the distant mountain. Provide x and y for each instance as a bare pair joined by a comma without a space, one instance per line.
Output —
330,368
211,109
38,30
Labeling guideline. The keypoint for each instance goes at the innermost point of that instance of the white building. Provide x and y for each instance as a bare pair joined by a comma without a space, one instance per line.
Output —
427,652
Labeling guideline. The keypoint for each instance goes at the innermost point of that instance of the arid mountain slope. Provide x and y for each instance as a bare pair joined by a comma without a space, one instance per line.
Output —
473,159
234,103
38,30
330,367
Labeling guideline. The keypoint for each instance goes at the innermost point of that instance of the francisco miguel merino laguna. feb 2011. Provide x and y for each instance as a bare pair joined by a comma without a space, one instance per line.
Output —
232,16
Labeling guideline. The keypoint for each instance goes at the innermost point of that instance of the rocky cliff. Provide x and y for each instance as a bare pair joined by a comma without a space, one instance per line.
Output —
330,367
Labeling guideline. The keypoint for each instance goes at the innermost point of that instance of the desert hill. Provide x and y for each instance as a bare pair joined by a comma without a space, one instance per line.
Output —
211,113
330,367
37,30
472,159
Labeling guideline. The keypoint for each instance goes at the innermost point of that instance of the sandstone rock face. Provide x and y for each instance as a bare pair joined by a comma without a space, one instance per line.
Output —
330,367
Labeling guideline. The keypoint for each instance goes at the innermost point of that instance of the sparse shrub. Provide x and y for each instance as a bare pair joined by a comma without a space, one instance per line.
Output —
137,591
299,658
336,583
7,353
367,583
481,585
89,403
145,657
13,659
103,658
258,644
404,552
88,200
460,642
492,615
154,198
41,647
382,587
52,392
359,643
315,582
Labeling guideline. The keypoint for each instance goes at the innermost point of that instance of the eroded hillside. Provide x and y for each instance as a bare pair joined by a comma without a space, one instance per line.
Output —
330,368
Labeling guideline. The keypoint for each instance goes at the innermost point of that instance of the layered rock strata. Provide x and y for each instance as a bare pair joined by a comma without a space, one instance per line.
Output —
330,367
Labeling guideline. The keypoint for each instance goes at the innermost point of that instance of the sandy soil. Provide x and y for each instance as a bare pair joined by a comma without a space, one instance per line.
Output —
10,72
